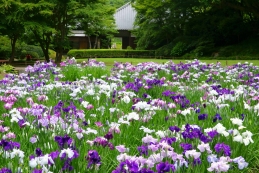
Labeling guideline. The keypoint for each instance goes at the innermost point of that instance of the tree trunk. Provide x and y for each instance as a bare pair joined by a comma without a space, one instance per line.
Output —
44,43
13,42
89,40
59,54
46,55
95,42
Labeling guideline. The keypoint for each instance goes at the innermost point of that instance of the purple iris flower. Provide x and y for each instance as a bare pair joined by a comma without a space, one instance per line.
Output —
5,170
120,168
213,133
203,116
37,171
165,167
186,146
132,166
21,123
205,138
67,166
9,145
143,150
54,155
63,140
93,158
101,141
38,152
174,128
85,123
221,147
108,136
243,116
191,133
144,95
217,117
168,93
197,110
197,161
168,140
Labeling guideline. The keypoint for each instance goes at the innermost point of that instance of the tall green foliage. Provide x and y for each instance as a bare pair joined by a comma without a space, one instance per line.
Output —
118,3
209,23
49,21
11,22
98,21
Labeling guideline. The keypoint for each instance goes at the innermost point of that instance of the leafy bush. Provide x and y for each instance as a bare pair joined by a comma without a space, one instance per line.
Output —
179,49
23,54
164,50
31,48
8,68
5,47
203,47
34,55
108,53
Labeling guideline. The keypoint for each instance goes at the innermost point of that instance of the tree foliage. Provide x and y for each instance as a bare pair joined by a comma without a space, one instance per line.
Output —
98,21
118,3
48,22
207,23
11,22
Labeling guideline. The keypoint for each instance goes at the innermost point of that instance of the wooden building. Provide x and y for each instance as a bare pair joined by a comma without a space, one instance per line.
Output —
124,20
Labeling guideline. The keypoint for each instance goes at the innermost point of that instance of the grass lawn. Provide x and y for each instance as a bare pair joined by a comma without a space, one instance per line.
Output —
2,75
134,61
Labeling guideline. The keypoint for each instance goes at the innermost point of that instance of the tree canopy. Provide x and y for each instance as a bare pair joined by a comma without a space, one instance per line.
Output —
50,21
194,25
118,3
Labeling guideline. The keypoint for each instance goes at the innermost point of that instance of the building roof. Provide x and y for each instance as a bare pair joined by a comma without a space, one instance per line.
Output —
124,20
125,17
77,33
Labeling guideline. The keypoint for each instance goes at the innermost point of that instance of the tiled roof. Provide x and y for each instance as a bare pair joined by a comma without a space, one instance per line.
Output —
125,17
78,33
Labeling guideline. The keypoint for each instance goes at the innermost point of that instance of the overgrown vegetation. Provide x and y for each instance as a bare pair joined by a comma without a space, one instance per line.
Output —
6,68
109,53
198,28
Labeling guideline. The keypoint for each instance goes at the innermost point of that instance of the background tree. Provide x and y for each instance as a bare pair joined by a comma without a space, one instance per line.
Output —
66,14
52,20
11,22
176,27
98,22
38,25
118,3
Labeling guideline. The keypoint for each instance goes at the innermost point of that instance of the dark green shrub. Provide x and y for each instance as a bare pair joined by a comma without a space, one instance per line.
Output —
165,50
109,53
5,47
34,55
32,48
179,49
23,54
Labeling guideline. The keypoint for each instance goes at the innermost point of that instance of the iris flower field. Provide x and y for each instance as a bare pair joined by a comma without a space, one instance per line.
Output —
147,118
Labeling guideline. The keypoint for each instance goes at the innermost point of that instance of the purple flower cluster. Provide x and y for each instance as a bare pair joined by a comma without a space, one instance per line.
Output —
93,159
5,170
9,145
63,141
221,147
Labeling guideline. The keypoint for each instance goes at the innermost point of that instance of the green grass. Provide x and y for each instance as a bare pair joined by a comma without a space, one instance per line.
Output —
2,75
134,61
110,61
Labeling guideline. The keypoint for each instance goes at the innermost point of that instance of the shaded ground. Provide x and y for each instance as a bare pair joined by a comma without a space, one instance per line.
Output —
21,69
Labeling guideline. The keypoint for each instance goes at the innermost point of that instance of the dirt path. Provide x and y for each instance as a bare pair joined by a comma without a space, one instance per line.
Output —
20,69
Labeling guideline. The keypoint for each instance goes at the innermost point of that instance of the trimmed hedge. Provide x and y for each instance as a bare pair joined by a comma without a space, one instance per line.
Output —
109,53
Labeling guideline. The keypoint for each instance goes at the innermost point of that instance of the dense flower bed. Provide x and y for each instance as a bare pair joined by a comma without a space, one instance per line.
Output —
187,117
